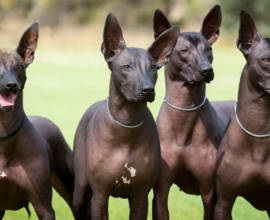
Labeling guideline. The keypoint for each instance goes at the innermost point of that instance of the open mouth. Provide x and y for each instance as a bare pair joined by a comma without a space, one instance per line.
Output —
7,100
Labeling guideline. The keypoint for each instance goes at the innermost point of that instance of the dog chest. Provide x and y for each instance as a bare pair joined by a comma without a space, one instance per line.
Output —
122,186
12,193
123,172
128,175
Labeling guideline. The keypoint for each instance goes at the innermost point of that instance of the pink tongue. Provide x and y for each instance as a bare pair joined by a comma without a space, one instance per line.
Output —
7,100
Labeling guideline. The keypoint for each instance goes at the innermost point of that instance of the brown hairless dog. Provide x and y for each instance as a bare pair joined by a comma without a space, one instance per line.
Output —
244,155
33,152
189,126
116,147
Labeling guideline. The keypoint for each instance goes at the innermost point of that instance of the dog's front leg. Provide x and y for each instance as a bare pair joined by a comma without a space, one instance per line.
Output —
225,192
99,206
160,200
81,200
44,211
208,199
41,195
223,208
138,205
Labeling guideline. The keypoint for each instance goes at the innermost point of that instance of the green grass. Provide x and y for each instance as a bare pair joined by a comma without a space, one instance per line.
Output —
62,84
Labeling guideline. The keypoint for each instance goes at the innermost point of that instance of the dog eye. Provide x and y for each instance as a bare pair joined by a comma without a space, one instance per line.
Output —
266,59
154,67
126,67
209,49
20,68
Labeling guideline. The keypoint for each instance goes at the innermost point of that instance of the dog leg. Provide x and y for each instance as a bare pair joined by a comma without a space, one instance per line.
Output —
138,206
99,206
268,212
62,177
223,209
160,201
208,199
81,200
2,213
41,200
82,193
44,212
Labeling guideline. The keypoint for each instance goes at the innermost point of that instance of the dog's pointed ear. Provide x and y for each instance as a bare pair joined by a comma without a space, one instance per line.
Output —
211,24
113,41
162,47
160,23
248,34
28,43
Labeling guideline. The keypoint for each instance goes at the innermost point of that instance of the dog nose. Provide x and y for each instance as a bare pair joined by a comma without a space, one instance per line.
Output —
206,71
206,68
148,89
11,86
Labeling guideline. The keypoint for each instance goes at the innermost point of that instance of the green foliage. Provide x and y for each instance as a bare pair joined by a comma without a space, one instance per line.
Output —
17,7
134,12
54,13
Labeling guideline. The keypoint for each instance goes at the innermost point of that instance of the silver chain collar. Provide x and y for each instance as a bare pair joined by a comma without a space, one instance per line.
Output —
245,130
119,123
185,109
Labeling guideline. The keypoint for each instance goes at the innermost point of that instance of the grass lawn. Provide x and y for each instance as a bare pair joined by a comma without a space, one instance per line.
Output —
62,83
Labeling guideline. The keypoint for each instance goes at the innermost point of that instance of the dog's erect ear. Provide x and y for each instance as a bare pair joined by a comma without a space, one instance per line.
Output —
211,24
28,44
160,23
113,41
163,46
248,34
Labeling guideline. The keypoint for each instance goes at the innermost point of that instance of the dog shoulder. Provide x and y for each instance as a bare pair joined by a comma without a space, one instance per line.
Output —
43,124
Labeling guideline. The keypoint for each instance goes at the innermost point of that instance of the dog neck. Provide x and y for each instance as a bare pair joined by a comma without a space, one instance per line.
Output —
183,95
11,121
125,112
183,123
253,105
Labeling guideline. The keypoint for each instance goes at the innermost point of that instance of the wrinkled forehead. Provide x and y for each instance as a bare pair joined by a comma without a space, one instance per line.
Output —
264,44
9,58
261,49
136,55
192,39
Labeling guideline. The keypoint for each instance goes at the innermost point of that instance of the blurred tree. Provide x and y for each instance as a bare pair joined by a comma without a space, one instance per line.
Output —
20,8
133,12
54,12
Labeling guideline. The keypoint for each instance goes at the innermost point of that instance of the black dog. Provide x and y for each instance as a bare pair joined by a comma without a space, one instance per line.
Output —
116,149
32,150
244,156
189,126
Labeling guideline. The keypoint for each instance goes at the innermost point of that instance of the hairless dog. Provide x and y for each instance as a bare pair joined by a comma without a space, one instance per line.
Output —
189,126
116,147
33,152
244,155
